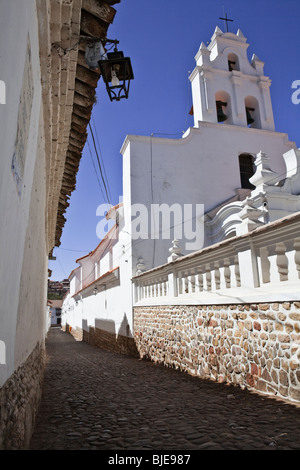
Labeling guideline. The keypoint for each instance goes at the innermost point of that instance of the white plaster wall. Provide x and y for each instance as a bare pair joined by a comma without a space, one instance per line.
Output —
88,271
201,168
20,328
105,264
68,315
72,284
111,308
33,285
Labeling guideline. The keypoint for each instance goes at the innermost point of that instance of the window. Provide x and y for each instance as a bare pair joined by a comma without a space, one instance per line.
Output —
246,163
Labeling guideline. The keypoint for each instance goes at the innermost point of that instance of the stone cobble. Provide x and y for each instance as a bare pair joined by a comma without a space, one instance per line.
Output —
98,400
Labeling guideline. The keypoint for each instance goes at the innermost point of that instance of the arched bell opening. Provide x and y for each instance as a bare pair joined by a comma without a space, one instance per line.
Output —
233,62
223,107
247,169
252,112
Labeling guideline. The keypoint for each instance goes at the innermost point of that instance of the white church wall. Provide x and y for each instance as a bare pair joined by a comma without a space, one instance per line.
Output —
200,168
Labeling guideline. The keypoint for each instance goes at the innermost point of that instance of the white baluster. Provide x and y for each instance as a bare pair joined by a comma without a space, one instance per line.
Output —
227,273
282,261
166,287
208,277
179,282
152,290
200,279
186,282
193,280
297,255
237,271
217,275
265,264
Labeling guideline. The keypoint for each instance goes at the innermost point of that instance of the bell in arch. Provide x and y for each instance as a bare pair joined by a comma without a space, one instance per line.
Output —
220,113
231,65
250,119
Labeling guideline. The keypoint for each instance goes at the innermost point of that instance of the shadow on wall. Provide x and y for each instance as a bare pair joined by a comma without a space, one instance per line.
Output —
105,336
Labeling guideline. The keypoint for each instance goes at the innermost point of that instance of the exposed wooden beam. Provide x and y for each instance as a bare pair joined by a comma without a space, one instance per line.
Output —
101,10
87,76
92,26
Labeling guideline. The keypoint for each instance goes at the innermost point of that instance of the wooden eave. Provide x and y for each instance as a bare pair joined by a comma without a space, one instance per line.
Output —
68,93
96,16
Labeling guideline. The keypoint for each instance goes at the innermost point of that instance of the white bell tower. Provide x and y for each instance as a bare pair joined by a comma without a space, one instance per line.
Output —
227,88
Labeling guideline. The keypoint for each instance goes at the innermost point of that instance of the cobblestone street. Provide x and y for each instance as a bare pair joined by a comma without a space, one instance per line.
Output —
94,399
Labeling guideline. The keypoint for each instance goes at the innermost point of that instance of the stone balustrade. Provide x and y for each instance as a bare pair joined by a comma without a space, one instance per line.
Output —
262,265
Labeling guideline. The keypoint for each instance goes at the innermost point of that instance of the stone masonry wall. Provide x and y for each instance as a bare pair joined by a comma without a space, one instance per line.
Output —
109,341
19,401
254,346
104,340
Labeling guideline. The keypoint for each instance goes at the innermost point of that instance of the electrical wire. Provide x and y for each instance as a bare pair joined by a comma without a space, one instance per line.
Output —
65,276
94,166
82,38
70,249
101,156
99,165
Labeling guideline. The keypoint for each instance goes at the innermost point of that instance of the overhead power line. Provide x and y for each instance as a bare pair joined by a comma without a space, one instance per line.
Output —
101,156
99,166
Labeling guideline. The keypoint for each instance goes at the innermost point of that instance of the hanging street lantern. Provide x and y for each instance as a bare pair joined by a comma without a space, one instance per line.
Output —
116,72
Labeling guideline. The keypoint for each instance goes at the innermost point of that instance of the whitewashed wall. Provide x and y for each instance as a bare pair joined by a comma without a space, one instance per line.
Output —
111,308
200,168
23,252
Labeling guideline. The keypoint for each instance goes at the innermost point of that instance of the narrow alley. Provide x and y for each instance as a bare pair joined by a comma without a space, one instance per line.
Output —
98,400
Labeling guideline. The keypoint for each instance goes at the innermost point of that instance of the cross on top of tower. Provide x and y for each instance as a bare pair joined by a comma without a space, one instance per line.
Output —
226,20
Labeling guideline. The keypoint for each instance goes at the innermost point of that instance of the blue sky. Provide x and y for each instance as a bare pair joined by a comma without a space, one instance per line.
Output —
162,37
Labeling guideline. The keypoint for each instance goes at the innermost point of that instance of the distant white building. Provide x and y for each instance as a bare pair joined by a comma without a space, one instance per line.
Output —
230,173
55,312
